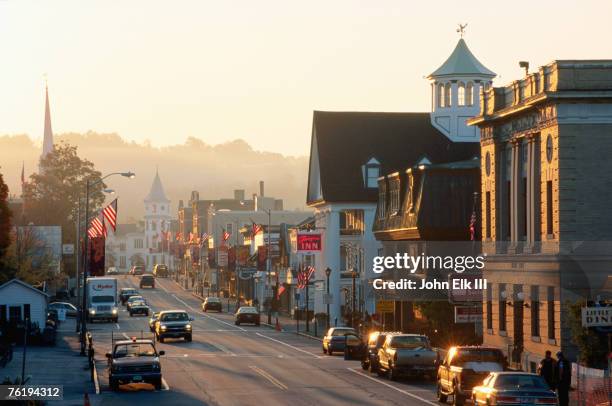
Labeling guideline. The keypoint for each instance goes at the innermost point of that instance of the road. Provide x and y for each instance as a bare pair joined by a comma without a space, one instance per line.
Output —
227,364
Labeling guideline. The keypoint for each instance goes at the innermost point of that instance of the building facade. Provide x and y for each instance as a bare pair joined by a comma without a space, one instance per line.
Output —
546,177
156,224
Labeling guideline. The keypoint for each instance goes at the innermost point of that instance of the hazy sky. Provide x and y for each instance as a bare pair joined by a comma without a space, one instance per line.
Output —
256,69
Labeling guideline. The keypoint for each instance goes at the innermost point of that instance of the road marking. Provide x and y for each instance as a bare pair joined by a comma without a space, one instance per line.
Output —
117,325
223,348
165,385
290,346
224,322
183,302
162,287
394,388
126,336
269,377
95,376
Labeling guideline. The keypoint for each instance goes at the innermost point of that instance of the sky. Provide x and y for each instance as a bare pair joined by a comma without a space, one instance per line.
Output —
162,71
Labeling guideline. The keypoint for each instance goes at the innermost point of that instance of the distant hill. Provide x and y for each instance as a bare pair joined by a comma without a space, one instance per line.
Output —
213,170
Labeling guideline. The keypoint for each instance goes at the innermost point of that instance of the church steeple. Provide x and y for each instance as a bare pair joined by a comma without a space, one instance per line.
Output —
48,132
157,194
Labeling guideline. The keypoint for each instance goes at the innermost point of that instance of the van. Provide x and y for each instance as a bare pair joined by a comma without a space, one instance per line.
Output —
160,271
147,281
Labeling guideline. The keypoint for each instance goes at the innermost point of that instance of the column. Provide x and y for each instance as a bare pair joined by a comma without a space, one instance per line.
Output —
515,192
533,189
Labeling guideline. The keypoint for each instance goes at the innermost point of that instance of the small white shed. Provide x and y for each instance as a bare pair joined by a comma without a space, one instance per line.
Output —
19,301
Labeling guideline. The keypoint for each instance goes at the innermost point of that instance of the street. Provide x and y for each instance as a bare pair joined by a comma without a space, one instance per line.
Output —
227,364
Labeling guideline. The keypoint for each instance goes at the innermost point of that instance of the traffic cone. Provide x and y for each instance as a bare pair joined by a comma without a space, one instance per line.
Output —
278,326
86,400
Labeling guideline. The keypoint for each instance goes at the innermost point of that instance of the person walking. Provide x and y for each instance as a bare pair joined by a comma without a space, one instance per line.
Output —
563,378
546,369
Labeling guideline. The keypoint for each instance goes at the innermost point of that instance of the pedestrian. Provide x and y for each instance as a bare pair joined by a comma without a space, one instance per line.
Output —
546,369
563,378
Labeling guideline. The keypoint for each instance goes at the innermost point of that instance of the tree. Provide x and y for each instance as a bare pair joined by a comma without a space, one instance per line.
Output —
591,345
5,220
51,197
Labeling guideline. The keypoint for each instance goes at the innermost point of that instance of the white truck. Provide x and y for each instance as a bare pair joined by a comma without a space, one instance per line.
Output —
102,299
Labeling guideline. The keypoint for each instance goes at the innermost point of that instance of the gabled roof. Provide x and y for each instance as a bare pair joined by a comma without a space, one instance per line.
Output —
345,141
22,283
156,194
462,62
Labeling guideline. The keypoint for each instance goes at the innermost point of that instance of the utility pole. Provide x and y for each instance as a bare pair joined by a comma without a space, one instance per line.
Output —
84,304
328,272
354,275
77,265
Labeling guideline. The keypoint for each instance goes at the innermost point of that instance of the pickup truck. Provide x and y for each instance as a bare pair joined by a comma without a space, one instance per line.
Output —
173,324
134,360
464,368
406,354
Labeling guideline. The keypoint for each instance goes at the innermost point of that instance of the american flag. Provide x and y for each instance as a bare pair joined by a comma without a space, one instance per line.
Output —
179,236
256,229
92,232
473,226
98,225
203,239
304,276
226,235
281,289
110,214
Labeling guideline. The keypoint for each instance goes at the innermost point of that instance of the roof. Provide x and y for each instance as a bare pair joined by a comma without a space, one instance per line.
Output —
22,283
156,194
462,62
345,141
123,229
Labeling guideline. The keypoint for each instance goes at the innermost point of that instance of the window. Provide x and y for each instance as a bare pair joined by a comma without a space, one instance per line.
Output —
229,227
373,172
549,208
138,243
351,222
122,247
440,95
502,307
551,312
2,315
461,94
469,94
122,262
488,215
489,307
535,311
14,313
153,226
447,95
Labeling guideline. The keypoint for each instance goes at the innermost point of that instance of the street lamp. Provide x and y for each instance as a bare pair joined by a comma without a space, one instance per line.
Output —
88,185
354,276
269,262
328,272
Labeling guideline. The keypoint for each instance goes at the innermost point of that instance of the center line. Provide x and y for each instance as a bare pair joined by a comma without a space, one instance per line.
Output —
290,346
269,377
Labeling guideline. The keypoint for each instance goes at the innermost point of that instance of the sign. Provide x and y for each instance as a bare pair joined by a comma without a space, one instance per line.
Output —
328,298
308,242
468,314
222,257
319,285
596,317
385,306
68,249
242,254
464,295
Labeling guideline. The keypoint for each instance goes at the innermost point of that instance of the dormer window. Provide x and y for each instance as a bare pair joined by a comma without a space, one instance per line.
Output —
461,99
447,95
371,173
469,94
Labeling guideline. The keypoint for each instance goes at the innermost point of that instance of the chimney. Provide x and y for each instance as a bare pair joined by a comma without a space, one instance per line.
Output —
261,188
239,194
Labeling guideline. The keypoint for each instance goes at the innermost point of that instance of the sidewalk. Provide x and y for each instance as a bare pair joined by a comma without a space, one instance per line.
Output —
57,365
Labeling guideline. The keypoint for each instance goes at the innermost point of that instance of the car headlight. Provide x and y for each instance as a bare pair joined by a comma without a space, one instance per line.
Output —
188,326
114,311
92,311
162,327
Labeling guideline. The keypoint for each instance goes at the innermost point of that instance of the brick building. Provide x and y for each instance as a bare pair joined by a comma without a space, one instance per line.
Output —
546,181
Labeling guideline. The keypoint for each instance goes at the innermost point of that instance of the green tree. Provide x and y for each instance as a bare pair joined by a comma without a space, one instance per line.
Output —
591,345
51,197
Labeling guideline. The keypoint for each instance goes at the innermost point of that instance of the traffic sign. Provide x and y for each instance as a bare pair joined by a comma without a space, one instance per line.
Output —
385,306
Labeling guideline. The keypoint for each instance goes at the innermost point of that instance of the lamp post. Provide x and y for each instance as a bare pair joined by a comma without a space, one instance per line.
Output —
328,272
269,263
354,276
84,313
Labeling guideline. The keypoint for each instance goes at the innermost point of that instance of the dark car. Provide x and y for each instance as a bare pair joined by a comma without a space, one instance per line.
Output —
134,299
139,307
137,270
514,388
173,324
212,303
69,309
334,340
375,342
147,281
135,360
247,314
126,293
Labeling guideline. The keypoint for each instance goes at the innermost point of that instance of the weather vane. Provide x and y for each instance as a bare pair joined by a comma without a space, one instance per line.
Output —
461,29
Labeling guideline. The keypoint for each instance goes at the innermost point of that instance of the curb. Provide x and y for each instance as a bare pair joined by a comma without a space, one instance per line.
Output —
96,380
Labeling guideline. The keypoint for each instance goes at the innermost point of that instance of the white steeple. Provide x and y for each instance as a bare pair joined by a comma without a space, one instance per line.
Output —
48,132
157,220
455,88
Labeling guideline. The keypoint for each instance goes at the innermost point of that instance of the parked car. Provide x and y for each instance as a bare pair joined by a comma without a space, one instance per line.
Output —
513,388
134,299
147,281
137,270
464,368
407,354
160,271
153,321
69,308
139,307
375,342
212,303
135,360
173,324
126,293
334,339
112,271
247,314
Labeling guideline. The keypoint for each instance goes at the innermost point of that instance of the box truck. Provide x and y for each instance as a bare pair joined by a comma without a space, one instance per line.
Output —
102,299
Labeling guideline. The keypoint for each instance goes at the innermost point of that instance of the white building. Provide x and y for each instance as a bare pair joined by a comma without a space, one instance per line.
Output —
157,220
20,301
126,246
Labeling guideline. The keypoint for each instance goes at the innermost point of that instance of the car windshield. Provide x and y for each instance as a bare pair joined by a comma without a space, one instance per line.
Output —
135,299
478,355
147,277
412,342
138,303
102,299
213,300
520,382
175,317
134,350
247,310
343,331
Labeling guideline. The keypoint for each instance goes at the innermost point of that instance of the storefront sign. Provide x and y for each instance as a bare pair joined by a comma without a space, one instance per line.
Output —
596,316
308,242
468,314
222,257
385,306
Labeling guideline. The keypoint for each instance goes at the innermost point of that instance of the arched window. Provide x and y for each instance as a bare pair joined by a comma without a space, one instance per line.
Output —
440,95
447,95
469,94
461,99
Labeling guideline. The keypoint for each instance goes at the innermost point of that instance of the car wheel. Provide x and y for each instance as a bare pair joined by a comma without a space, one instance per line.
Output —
158,384
258,324
458,398
392,375
373,367
237,323
364,365
113,385
330,351
188,338
442,398
324,350
380,372
131,315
